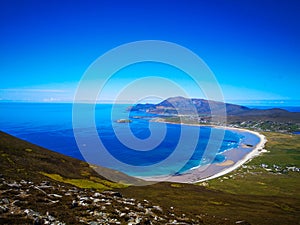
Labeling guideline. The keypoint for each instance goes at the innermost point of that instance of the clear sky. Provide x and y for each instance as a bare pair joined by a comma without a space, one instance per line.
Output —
252,46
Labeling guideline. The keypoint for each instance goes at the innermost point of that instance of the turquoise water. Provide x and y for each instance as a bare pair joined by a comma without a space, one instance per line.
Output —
50,126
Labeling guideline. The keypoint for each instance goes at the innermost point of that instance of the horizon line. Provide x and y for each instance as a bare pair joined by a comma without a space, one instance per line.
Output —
261,102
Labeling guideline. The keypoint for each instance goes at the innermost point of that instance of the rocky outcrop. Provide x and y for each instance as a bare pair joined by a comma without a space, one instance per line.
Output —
46,202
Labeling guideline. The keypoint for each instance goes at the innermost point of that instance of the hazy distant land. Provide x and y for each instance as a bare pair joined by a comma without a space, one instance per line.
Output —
276,119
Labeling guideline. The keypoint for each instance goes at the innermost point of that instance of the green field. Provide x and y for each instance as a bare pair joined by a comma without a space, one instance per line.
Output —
283,151
250,194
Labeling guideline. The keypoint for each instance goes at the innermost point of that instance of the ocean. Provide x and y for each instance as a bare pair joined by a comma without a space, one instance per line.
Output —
50,125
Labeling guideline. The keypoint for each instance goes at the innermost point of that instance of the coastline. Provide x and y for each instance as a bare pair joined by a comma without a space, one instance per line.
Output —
235,158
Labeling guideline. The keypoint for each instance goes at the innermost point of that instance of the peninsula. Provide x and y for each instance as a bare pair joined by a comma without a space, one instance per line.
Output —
238,118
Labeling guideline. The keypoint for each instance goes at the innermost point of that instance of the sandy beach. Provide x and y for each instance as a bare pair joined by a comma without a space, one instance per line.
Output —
235,158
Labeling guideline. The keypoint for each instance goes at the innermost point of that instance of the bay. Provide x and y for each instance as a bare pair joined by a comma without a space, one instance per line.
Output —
50,125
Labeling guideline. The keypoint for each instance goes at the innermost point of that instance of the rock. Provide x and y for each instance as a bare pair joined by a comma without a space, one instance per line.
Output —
96,200
3,209
55,195
74,204
148,211
14,185
44,186
242,222
45,182
23,182
37,188
113,193
108,207
97,195
53,202
16,201
122,214
93,223
148,222
138,220
5,201
158,208
31,213
124,121
37,221
84,199
51,218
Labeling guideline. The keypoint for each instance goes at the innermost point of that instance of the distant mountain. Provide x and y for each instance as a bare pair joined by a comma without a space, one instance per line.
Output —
183,106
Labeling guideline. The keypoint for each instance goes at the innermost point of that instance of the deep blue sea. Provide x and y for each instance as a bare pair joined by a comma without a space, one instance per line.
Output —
50,126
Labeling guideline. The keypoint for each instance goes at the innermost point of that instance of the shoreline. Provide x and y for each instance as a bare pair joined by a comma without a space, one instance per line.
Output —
235,158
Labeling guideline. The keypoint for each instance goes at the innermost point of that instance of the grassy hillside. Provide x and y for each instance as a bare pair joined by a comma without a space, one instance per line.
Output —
251,193
22,160
268,175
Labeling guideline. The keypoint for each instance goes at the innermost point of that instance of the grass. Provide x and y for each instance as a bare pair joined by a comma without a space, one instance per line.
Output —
283,150
22,160
93,182
259,184
252,193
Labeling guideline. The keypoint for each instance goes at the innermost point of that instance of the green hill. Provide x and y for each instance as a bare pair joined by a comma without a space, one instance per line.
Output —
203,108
23,160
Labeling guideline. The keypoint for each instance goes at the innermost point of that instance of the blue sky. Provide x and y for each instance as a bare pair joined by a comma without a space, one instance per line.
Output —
252,47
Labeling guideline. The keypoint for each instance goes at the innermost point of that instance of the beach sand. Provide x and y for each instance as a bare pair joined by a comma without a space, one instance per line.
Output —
226,163
235,158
